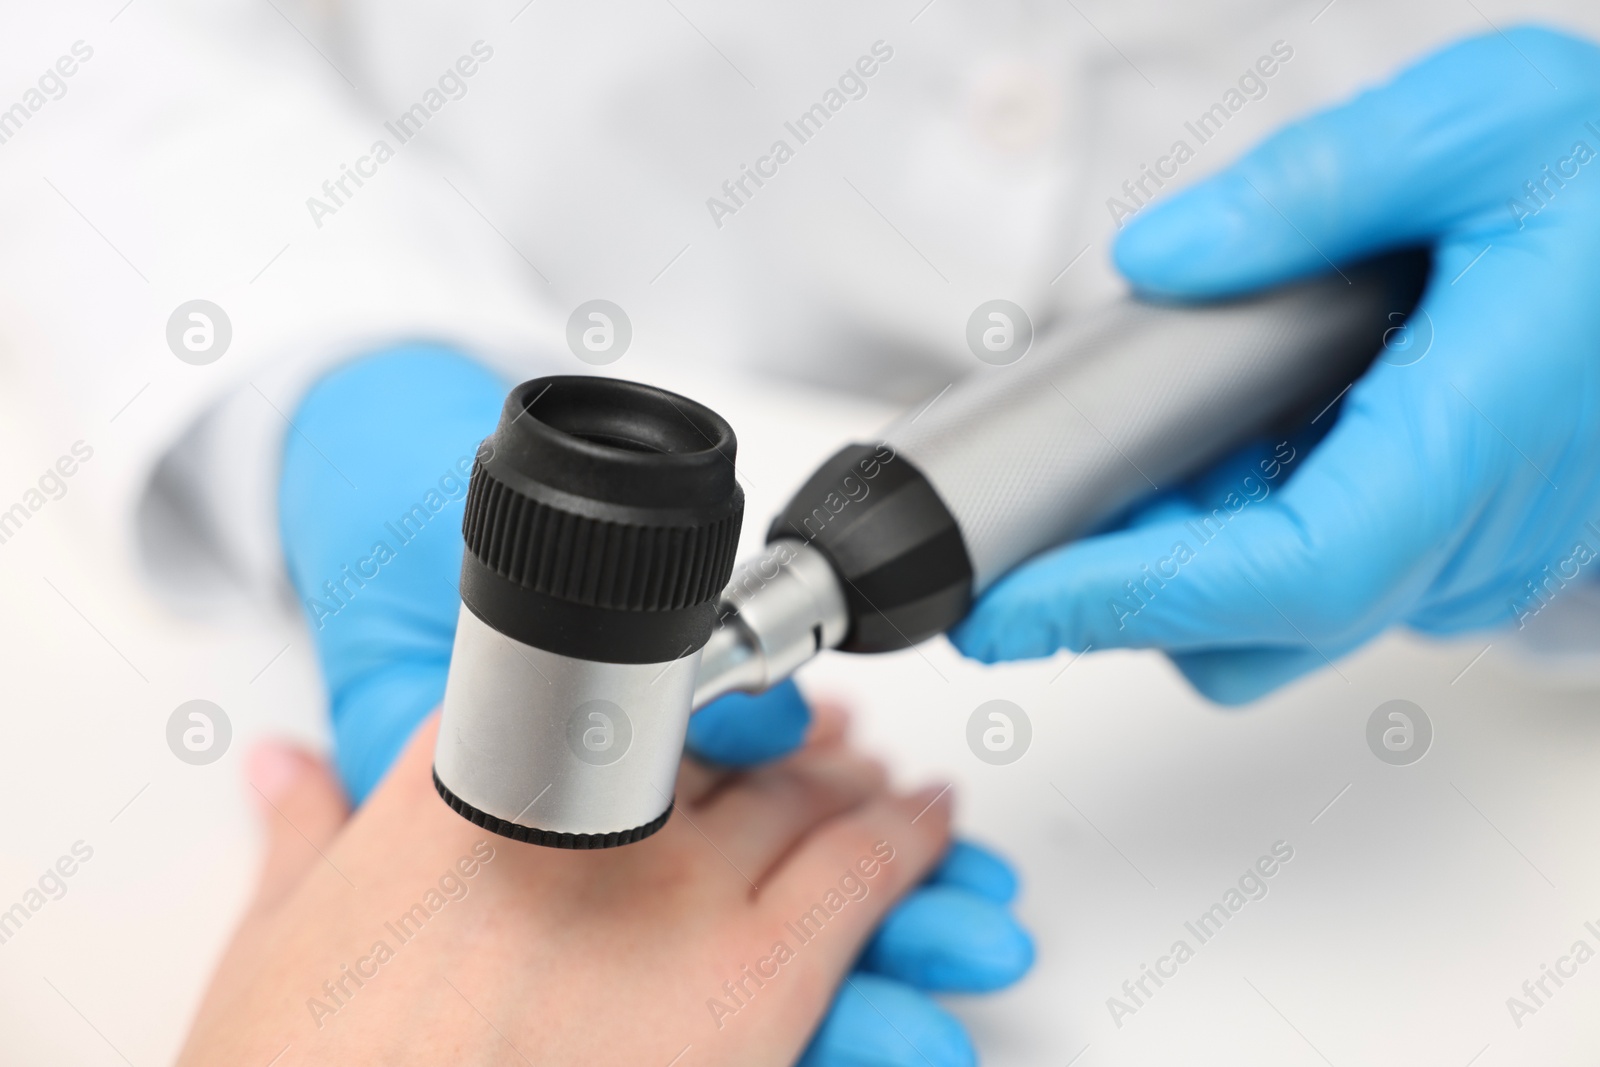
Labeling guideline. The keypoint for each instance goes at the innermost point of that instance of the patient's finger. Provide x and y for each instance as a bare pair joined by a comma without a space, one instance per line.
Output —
841,879
302,808
757,817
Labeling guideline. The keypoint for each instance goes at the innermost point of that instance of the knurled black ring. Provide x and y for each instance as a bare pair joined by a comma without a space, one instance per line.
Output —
548,838
623,566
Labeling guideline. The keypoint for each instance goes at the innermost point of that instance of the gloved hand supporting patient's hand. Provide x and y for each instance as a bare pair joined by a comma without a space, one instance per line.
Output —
1461,466
374,476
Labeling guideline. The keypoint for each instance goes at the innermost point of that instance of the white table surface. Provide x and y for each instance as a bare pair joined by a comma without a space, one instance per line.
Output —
1414,905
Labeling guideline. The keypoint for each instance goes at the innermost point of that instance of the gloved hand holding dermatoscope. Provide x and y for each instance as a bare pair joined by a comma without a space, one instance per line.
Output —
603,518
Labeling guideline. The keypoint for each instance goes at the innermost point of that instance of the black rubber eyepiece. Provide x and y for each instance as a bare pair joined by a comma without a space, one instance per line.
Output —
602,520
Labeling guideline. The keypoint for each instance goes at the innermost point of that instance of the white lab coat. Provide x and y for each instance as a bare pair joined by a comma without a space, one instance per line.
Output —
596,149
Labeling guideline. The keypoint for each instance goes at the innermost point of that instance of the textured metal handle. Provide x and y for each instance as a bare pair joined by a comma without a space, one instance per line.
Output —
1135,397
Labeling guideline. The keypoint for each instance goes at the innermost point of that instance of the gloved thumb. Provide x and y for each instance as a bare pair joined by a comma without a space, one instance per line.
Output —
374,475
302,808
740,730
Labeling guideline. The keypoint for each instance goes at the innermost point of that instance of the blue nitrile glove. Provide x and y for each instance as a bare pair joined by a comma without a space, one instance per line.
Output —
1455,488
374,475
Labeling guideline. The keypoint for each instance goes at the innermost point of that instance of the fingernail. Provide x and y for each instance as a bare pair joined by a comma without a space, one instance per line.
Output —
273,768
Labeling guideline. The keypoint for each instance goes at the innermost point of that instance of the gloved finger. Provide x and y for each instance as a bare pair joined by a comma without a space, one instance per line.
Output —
977,870
739,730
1487,605
879,1022
1264,458
1251,472
1395,166
374,715
1239,676
1330,558
302,808
945,939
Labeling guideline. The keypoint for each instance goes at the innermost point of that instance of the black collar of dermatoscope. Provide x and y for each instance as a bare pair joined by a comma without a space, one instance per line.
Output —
896,548
602,520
